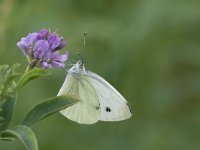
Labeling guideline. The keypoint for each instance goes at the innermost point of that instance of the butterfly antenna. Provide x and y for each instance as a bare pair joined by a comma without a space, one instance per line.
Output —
84,43
84,38
80,58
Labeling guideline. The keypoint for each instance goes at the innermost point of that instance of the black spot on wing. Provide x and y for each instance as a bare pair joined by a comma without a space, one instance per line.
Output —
108,109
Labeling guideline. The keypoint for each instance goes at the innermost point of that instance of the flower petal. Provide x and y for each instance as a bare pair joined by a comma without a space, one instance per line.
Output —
24,47
58,64
41,45
46,65
31,37
56,56
54,41
42,34
26,43
62,44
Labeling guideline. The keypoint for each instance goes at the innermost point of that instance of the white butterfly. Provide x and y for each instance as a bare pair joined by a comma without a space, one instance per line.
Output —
98,99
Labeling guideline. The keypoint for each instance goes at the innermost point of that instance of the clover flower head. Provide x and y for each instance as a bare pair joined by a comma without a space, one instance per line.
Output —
41,48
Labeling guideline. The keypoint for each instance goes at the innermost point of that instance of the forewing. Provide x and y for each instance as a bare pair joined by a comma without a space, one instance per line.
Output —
113,105
87,110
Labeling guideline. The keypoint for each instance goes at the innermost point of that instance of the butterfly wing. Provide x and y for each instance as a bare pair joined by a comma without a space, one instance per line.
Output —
113,105
87,110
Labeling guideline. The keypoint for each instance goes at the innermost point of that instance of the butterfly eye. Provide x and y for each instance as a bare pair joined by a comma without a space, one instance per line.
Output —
108,109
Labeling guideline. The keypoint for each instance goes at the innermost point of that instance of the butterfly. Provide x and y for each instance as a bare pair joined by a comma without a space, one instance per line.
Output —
99,100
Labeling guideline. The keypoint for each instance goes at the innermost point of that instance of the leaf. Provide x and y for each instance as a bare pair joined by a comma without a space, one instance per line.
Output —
3,73
7,94
24,134
6,111
30,75
7,77
13,75
47,108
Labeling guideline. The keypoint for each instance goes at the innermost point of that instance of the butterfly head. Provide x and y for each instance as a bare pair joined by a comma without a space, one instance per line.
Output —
78,67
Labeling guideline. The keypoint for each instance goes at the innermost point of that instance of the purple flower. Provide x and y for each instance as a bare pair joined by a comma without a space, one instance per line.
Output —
42,49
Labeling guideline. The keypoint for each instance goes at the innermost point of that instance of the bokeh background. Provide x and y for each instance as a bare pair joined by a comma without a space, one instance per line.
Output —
148,49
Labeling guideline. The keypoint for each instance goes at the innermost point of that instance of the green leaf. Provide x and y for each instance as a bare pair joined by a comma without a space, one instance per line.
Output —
7,94
13,75
3,74
24,134
47,108
7,77
30,75
6,111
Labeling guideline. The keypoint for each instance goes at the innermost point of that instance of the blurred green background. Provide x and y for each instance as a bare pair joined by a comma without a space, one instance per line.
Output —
148,49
